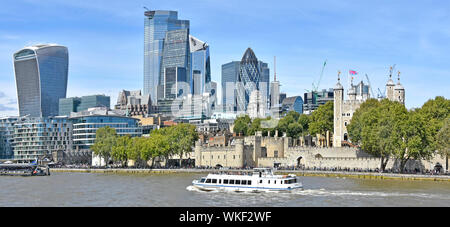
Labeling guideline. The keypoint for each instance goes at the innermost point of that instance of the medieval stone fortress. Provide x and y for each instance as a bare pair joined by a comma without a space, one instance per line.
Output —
281,151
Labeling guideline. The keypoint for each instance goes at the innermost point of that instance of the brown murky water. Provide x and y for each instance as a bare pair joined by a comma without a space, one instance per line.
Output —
93,190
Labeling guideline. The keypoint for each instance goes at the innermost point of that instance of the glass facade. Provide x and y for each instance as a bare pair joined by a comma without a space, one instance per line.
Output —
94,101
253,75
293,104
38,137
156,24
230,74
7,137
75,104
68,105
176,54
85,128
41,77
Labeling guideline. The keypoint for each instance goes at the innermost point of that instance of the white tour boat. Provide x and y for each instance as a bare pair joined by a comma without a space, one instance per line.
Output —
260,180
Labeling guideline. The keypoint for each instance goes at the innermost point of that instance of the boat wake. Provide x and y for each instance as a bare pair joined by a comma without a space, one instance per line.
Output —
325,193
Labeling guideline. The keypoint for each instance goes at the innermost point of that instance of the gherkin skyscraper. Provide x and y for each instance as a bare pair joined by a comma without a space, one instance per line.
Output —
253,75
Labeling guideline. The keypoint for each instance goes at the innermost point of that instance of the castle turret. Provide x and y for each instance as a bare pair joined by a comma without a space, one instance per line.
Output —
390,87
351,92
338,103
399,92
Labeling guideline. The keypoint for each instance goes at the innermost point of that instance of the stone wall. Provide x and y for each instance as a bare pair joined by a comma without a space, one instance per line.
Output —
343,158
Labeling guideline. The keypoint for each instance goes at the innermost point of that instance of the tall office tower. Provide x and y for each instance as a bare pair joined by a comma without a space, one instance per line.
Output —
200,62
197,82
251,77
176,54
275,103
156,24
230,74
41,78
265,79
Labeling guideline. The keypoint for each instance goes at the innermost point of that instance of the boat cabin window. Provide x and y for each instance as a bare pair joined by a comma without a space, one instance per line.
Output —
249,182
293,181
214,181
238,181
220,181
260,181
231,181
268,181
208,181
202,180
225,181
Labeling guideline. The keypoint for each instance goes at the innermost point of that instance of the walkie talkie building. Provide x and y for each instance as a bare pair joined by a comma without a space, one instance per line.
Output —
41,78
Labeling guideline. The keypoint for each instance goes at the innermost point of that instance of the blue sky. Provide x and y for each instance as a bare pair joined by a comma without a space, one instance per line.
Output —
105,41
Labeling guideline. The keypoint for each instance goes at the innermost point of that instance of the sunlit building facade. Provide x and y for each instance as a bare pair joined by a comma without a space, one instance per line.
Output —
41,73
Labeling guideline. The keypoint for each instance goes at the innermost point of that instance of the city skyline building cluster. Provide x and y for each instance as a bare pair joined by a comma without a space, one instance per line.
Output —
177,83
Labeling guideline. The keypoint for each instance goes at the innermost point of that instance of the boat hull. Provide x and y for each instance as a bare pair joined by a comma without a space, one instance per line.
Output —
255,189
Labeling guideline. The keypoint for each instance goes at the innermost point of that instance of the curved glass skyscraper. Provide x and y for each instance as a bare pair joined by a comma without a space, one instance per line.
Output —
41,78
253,75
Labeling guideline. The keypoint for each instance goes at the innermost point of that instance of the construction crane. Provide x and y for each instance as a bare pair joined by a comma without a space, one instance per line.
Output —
392,70
316,88
381,95
370,85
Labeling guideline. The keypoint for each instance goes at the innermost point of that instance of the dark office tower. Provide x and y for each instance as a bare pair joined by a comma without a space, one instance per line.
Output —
75,104
41,78
157,24
230,75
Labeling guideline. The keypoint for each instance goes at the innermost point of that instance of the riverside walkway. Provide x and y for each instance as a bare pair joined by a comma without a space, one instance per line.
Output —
314,173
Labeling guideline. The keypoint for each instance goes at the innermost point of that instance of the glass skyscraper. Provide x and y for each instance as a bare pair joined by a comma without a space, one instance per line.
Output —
253,75
157,24
41,77
230,74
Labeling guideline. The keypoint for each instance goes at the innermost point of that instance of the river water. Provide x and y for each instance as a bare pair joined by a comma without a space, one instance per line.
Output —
112,190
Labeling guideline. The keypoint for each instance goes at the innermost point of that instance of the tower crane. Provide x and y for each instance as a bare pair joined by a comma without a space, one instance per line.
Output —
316,88
370,85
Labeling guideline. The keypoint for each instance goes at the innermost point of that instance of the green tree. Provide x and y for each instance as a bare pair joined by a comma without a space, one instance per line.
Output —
134,149
158,145
119,150
105,139
435,111
184,137
304,121
288,124
375,126
443,141
413,139
242,124
322,119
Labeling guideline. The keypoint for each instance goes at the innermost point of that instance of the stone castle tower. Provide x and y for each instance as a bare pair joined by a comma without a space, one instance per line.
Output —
357,94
